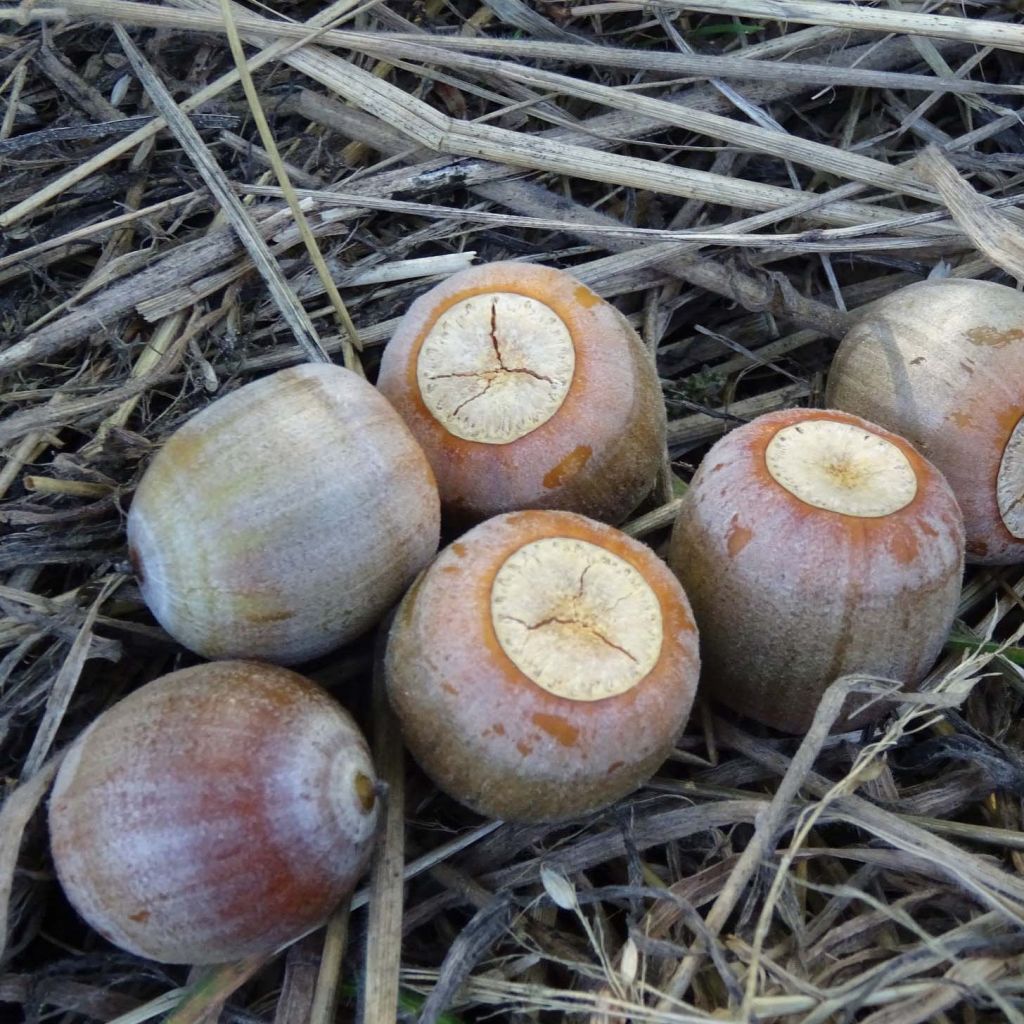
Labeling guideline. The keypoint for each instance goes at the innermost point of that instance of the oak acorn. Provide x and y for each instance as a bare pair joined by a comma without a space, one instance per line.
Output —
543,666
284,519
814,544
215,813
527,390
942,364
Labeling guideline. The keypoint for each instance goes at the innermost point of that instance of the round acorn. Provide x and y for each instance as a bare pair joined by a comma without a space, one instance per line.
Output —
216,813
942,364
527,390
284,519
543,666
814,544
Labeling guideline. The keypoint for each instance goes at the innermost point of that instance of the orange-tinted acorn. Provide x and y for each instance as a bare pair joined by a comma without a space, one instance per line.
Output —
527,390
543,666
216,813
814,544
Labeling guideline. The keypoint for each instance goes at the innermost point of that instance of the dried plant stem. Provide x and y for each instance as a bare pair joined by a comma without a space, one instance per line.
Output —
817,12
990,231
15,815
428,127
386,888
281,173
291,309
210,992
328,980
55,188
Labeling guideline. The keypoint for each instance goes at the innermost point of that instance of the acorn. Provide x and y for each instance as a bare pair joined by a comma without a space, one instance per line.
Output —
216,813
284,519
527,390
543,666
814,544
942,364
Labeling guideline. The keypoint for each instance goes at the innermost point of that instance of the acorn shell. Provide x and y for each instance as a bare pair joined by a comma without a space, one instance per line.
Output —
284,519
485,731
942,364
597,455
213,814
789,596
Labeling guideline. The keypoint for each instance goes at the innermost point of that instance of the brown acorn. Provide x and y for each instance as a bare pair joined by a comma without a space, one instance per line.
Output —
527,390
543,666
942,364
814,544
216,813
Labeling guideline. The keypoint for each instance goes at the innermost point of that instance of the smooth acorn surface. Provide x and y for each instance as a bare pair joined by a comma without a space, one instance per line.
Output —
527,390
284,519
942,364
215,813
813,544
543,666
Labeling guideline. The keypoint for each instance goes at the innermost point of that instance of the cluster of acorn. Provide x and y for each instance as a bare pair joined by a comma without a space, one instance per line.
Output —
544,663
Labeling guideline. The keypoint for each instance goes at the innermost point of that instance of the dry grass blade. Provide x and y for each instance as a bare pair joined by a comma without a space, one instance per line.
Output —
990,884
772,820
873,19
959,982
748,136
990,231
15,815
692,430
186,261
23,256
328,980
853,239
386,890
76,409
956,680
65,181
213,988
281,172
163,340
63,687
745,66
765,292
656,519
150,1010
471,945
294,315
301,966
426,126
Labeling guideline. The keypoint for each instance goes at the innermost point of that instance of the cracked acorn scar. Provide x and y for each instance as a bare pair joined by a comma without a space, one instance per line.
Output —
558,657
527,390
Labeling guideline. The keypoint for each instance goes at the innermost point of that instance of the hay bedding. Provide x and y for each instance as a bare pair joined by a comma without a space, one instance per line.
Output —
735,183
